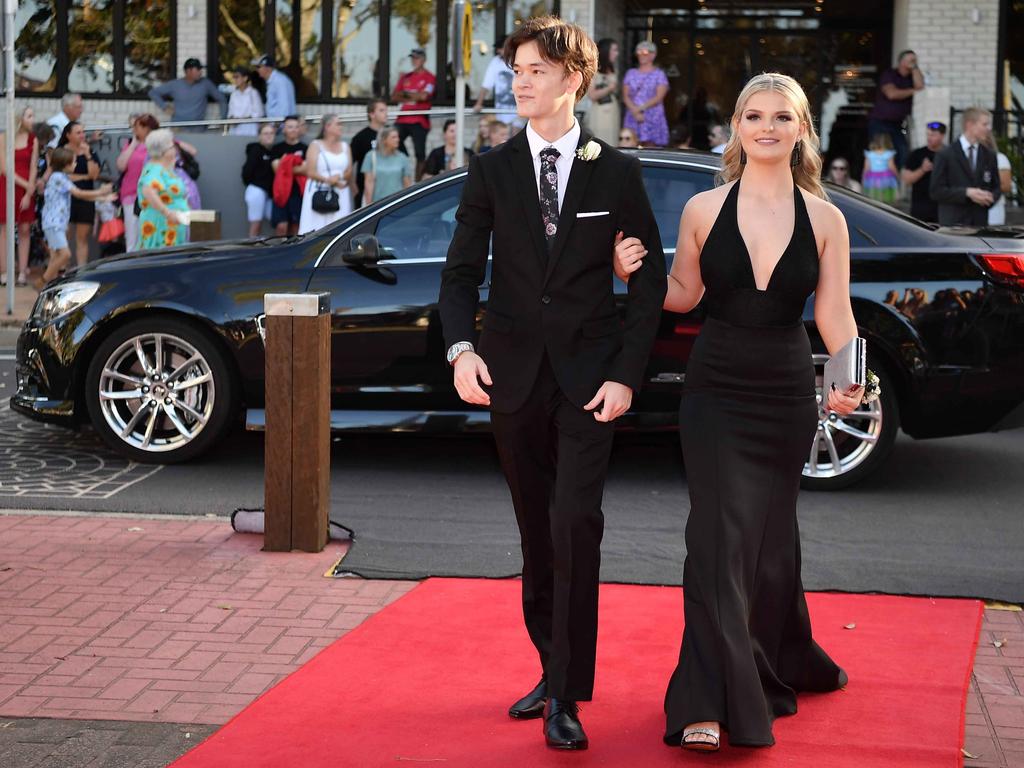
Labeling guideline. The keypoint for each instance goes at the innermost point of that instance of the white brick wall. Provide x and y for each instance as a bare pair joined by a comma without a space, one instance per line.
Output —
956,46
191,31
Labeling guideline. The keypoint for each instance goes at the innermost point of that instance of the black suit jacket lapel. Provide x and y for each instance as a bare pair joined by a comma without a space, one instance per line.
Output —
526,186
579,177
965,161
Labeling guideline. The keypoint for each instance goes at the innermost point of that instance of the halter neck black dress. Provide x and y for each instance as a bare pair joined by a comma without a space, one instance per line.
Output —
748,417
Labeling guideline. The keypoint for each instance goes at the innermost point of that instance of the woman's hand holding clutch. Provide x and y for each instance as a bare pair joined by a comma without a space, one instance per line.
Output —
844,404
628,256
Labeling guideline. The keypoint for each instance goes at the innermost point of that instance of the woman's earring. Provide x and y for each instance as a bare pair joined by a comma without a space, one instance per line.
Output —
743,156
797,152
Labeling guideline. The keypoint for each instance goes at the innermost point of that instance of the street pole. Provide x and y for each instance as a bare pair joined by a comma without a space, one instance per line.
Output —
460,81
10,9
462,51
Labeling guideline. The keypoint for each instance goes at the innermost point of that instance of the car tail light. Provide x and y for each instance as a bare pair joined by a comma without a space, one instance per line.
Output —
1005,267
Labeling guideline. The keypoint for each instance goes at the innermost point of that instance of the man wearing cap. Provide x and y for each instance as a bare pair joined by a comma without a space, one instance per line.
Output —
918,173
189,94
415,91
280,89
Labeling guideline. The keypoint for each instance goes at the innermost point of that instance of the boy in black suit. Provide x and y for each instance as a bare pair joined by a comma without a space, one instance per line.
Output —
965,180
555,362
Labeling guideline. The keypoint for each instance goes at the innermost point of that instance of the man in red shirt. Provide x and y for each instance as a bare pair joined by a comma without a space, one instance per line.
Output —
415,91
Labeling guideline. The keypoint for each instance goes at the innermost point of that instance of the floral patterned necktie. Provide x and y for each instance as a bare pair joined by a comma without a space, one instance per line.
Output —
549,193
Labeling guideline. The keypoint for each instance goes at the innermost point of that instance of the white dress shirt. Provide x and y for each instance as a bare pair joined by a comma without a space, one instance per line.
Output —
566,146
966,146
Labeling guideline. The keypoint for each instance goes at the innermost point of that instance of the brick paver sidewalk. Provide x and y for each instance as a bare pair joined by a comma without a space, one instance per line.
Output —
159,620
181,621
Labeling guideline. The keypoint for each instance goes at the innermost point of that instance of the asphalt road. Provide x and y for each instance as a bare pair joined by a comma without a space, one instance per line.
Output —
940,514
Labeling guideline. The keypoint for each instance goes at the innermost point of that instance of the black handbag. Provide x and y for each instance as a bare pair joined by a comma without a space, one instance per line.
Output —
188,163
326,198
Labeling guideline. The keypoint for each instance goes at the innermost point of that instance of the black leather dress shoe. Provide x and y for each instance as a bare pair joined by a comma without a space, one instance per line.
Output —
531,706
562,726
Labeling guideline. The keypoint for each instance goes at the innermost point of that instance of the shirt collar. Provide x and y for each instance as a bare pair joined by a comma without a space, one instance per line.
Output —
565,145
965,144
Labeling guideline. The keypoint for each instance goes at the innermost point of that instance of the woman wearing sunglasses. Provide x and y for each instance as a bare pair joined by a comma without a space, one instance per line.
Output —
839,173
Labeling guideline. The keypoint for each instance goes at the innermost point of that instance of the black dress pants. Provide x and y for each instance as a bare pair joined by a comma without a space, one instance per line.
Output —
555,459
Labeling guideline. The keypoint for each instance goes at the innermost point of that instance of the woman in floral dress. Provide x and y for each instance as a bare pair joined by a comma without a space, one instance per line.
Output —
162,195
643,92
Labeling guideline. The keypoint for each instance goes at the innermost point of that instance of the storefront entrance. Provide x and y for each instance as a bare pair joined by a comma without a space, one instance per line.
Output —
710,48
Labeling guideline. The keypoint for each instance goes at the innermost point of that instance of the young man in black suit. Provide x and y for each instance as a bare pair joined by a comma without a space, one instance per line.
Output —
965,179
555,362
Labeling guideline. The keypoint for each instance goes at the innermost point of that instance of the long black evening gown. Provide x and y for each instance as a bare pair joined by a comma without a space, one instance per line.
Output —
748,417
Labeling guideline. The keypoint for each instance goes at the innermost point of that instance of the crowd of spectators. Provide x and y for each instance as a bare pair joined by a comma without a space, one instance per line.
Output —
294,186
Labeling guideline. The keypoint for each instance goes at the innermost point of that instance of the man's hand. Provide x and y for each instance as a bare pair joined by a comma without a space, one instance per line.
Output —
468,368
980,196
927,165
616,397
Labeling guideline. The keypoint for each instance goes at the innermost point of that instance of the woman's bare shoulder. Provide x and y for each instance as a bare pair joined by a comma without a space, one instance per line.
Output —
703,208
708,202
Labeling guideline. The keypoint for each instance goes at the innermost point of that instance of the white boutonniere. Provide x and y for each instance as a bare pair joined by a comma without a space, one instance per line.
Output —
872,387
589,151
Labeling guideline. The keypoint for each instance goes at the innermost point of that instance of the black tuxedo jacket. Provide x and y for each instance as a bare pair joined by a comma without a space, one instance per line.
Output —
951,177
563,301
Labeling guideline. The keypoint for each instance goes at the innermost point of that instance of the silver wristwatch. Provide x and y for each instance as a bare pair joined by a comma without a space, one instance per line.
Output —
457,349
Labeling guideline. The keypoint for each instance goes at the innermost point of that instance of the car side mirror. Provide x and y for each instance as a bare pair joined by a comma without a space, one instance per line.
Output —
365,250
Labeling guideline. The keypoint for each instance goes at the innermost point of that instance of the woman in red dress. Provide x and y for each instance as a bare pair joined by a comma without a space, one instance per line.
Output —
26,160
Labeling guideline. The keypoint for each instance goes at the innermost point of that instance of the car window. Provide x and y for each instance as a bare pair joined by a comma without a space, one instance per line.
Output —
668,189
423,227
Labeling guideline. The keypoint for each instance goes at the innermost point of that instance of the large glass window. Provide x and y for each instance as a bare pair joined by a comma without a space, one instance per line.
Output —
35,48
356,64
238,35
90,46
147,38
413,25
122,47
342,49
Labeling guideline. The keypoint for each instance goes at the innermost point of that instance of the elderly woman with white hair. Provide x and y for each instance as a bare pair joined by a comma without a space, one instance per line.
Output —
643,92
162,195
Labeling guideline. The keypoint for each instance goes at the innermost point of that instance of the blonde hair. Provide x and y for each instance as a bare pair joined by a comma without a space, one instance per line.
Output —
19,118
806,175
385,132
880,141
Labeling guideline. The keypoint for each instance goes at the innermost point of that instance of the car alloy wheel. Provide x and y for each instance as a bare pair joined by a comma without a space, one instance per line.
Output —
847,448
156,392
160,389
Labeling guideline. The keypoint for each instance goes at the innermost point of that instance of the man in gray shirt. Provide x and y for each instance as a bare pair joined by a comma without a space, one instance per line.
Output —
189,94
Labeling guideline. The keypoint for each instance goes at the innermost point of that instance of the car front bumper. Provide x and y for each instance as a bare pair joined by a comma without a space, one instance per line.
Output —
45,369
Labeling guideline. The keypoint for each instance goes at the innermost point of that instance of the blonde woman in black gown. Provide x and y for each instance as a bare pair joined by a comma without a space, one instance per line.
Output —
753,250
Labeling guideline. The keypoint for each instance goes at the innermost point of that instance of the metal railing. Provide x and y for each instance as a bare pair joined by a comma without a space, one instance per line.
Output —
225,124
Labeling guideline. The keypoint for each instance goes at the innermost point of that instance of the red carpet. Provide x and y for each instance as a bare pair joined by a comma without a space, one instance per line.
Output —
427,681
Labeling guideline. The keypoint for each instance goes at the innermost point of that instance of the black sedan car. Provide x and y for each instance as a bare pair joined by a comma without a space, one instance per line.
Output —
163,351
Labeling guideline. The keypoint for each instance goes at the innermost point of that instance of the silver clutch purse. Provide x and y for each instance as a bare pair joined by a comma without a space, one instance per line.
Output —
847,368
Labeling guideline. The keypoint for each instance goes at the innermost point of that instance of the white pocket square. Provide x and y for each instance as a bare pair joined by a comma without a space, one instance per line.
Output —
588,214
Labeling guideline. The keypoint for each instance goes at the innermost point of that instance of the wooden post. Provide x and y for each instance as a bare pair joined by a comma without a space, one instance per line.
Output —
298,430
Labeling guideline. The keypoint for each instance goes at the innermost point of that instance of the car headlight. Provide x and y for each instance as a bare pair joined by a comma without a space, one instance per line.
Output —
57,302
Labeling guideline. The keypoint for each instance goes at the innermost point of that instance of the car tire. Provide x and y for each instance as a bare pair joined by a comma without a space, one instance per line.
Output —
859,458
160,414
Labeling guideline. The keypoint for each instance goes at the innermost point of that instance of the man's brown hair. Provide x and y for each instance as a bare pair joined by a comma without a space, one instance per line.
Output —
559,43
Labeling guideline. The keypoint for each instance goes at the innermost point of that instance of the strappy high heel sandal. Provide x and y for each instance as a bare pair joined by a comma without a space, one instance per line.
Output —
699,739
